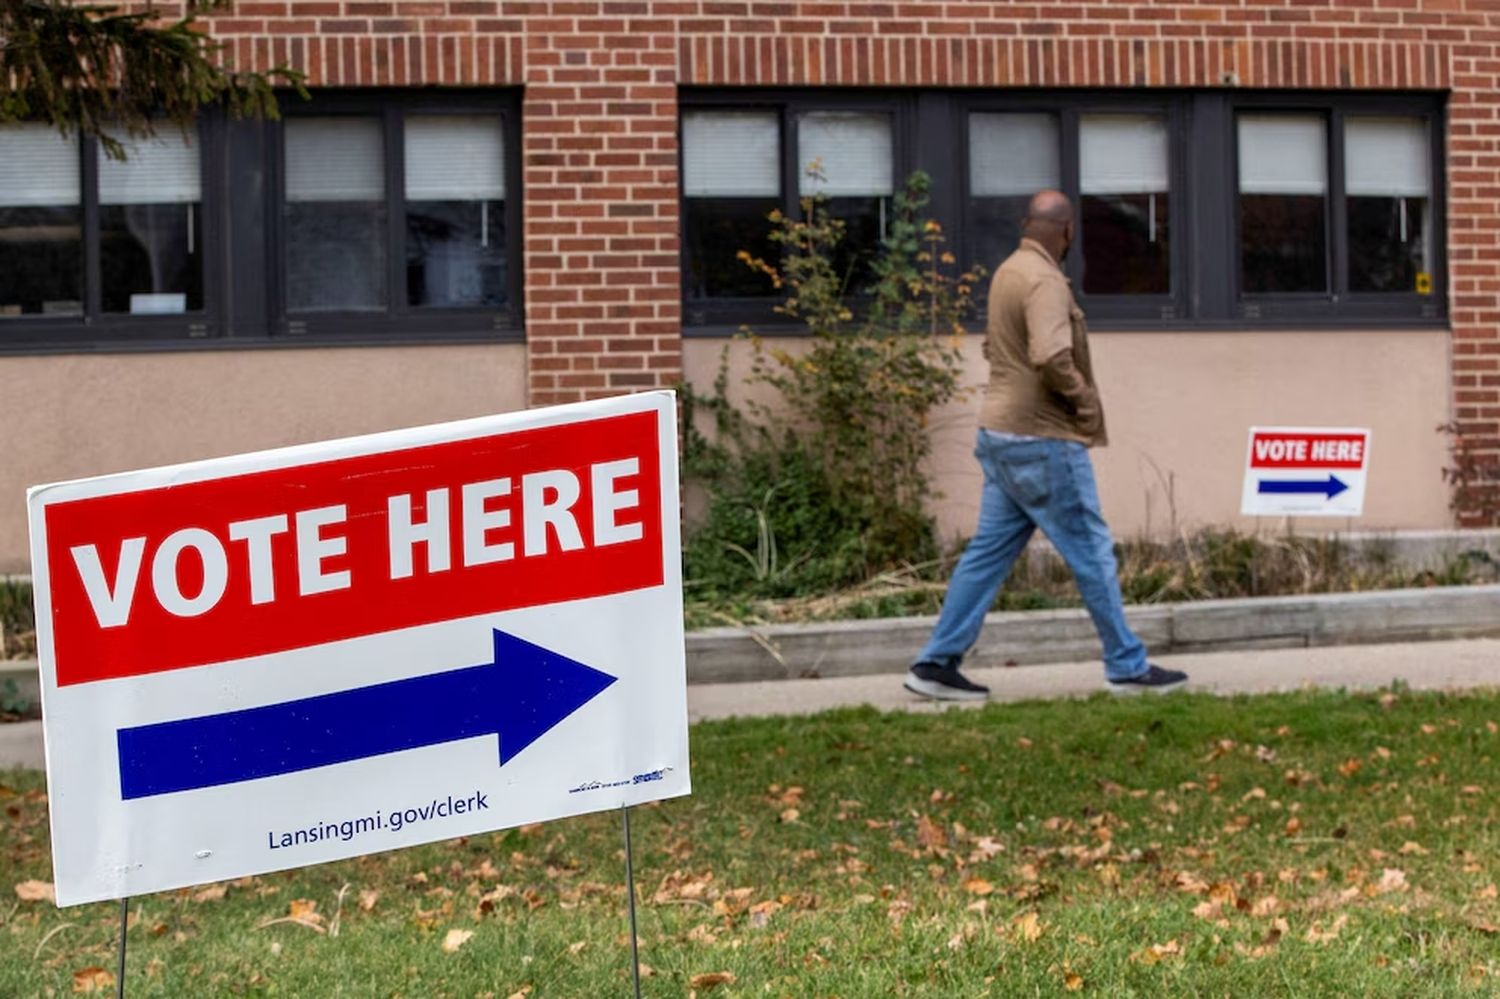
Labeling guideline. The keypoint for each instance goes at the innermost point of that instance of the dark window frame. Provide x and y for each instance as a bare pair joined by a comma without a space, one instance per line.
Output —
726,315
1069,109
96,329
1204,212
243,280
1338,302
398,322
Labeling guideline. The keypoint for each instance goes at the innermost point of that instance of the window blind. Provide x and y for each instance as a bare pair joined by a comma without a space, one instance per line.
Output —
1283,154
1123,154
731,154
455,158
1387,157
854,149
161,170
38,166
334,159
1012,154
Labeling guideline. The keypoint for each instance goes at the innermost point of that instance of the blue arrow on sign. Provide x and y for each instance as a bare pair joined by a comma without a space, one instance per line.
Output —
518,696
1330,486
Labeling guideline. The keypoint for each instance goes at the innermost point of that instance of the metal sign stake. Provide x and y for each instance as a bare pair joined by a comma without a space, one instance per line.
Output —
120,968
635,952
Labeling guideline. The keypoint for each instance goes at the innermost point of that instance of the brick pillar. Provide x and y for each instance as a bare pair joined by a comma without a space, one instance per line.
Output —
1474,263
599,145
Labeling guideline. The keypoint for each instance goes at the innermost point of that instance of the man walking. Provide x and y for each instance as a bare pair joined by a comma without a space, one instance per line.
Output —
1040,416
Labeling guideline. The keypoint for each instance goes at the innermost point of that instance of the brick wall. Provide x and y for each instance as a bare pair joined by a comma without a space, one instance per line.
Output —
602,286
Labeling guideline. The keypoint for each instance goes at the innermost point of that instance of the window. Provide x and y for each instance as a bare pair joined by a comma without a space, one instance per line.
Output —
1213,208
396,215
1283,171
358,217
1388,191
741,162
731,180
335,214
87,240
41,223
1114,159
1124,204
150,227
1011,157
846,157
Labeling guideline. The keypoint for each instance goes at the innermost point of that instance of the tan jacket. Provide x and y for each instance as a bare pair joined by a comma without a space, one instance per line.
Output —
1035,327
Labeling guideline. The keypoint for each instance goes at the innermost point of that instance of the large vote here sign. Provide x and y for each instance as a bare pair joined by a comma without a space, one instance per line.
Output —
278,659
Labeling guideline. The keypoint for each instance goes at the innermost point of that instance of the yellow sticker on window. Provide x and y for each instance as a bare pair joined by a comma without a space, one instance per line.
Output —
1424,283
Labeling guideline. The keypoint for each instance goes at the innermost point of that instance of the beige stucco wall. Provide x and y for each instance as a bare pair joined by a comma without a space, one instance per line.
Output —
77,415
1180,405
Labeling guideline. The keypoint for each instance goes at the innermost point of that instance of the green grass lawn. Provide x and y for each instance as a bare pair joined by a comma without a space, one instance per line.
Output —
1310,844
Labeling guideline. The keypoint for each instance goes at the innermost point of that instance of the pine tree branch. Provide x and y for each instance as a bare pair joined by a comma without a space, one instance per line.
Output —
108,73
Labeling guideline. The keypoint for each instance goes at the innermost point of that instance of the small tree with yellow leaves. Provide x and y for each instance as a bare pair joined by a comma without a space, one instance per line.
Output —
855,397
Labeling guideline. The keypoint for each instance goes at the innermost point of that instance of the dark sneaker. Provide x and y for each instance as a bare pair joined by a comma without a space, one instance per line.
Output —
943,683
1154,681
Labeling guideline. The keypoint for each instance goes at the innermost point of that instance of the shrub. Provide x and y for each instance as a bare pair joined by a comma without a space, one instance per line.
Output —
827,485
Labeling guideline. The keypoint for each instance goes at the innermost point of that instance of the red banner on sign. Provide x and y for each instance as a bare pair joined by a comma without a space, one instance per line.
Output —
265,562
1275,450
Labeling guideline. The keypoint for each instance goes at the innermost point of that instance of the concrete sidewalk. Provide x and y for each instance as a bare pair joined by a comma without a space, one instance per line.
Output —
1424,665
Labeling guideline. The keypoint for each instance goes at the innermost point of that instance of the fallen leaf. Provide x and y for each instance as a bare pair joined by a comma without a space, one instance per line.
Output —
1411,846
1316,933
577,946
1488,891
1028,926
1391,879
930,834
1023,743
790,815
1265,906
1072,981
212,893
93,979
1293,826
1471,789
523,992
368,898
455,939
304,910
1351,766
1157,952
978,886
35,891
712,979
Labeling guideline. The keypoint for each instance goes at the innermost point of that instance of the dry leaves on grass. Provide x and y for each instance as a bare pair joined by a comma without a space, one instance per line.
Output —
1318,935
930,834
213,893
93,979
1072,981
301,912
1028,927
367,899
712,979
454,939
1157,953
978,886
35,891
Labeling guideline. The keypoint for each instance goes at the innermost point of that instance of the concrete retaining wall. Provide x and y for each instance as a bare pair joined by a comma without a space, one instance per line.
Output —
855,648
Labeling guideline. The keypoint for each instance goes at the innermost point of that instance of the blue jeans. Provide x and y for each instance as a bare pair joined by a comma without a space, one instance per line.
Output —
1031,483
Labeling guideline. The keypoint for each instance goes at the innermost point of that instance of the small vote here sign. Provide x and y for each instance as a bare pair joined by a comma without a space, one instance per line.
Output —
278,659
1306,471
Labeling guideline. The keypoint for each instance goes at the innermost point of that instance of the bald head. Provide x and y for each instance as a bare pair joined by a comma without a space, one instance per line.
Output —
1049,221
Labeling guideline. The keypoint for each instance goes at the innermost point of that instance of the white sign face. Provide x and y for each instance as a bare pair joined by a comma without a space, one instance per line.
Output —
1306,471
278,659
